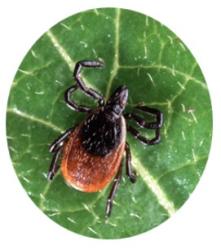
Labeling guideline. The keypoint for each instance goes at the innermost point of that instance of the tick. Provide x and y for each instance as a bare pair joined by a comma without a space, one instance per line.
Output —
92,151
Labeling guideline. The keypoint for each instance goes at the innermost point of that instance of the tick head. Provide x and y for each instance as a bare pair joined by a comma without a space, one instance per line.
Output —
117,102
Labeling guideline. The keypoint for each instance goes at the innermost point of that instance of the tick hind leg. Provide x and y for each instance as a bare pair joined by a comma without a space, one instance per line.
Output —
144,124
113,191
55,149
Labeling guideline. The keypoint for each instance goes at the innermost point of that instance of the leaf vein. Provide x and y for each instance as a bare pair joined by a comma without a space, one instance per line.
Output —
116,54
169,69
34,119
154,186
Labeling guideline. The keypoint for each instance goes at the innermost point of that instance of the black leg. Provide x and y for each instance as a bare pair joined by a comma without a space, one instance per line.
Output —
56,148
113,191
141,122
54,166
144,124
130,173
58,143
153,111
71,104
143,139
88,91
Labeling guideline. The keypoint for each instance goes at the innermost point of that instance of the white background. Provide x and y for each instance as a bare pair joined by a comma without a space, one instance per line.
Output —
197,225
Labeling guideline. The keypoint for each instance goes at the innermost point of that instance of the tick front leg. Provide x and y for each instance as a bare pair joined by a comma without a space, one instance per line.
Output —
88,91
72,104
158,114
130,172
113,191
156,125
143,139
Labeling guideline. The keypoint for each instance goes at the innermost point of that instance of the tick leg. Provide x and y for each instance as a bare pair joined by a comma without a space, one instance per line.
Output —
58,143
144,124
56,148
88,91
113,191
72,104
130,172
54,166
141,122
143,139
153,111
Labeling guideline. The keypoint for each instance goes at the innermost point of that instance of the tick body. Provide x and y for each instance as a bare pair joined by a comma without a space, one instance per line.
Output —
90,161
92,152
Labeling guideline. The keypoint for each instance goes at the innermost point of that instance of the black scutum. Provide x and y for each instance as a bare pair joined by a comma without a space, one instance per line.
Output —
99,134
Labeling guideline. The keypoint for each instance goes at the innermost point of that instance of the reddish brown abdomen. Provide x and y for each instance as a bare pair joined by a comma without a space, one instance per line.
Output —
85,171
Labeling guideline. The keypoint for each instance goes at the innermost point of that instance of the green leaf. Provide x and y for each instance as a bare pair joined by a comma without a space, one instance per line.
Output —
159,71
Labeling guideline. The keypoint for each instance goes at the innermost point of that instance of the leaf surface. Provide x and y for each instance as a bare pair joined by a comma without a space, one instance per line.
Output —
159,71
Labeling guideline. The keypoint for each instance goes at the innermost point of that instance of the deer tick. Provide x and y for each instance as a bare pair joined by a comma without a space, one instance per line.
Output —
92,151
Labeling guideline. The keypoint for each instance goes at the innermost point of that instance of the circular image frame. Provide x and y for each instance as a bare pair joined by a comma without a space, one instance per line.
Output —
159,71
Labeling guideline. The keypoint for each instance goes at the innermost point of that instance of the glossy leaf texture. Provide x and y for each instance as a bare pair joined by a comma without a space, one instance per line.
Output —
159,71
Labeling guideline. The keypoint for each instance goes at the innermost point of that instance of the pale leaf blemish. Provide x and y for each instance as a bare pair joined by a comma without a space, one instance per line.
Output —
39,92
151,79
25,179
66,26
84,44
201,142
183,107
13,149
26,72
194,156
183,135
145,45
116,203
191,112
146,21
71,220
59,82
25,135
96,12
170,39
54,214
34,54
92,230
182,46
42,196
95,53
181,85
135,215
86,207
111,224
173,70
